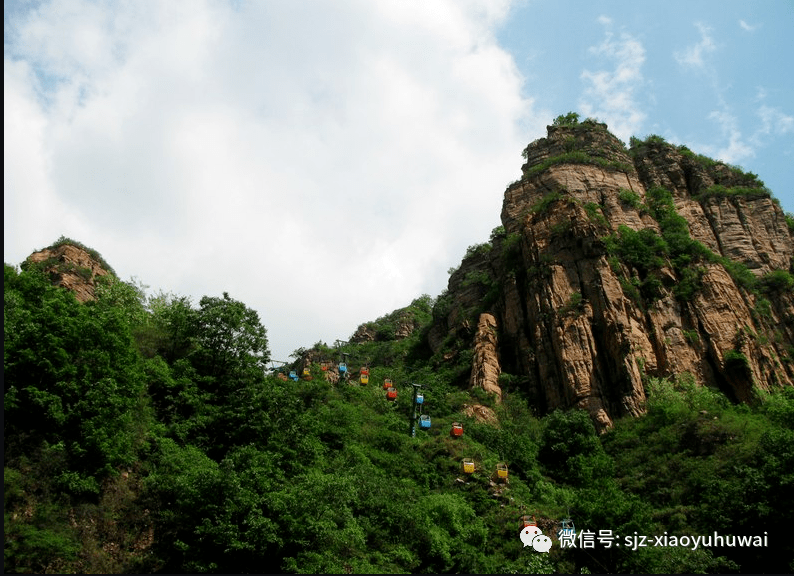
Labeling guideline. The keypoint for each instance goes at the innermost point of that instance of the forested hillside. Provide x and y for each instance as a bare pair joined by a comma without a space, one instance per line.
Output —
146,433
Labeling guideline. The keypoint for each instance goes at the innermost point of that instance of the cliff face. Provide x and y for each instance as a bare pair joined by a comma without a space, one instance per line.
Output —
70,267
617,264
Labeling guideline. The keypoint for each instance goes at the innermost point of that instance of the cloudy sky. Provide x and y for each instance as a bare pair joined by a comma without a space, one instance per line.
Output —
327,162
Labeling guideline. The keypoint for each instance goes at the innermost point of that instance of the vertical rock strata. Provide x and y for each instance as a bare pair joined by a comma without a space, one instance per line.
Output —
485,365
581,322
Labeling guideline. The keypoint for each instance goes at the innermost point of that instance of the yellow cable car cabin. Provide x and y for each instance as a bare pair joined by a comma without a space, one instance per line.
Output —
457,430
307,375
501,471
364,377
387,384
468,466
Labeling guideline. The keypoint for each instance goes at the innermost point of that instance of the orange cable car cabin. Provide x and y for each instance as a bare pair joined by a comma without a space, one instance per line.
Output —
457,430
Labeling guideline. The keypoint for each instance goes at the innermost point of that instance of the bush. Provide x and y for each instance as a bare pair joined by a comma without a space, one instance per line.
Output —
629,197
571,451
569,119
643,249
720,191
595,214
736,361
776,281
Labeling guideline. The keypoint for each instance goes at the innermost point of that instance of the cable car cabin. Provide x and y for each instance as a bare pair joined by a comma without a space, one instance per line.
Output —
468,466
501,471
420,398
307,375
365,371
364,379
527,520
387,384
293,375
567,528
391,393
342,368
424,421
457,430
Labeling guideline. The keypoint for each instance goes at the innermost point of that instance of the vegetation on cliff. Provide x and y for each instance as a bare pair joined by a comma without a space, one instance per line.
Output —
142,434
146,433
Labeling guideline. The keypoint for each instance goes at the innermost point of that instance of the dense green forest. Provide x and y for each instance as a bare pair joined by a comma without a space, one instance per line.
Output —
146,433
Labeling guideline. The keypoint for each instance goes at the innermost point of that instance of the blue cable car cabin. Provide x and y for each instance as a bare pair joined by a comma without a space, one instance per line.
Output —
342,368
424,421
293,375
567,528
420,399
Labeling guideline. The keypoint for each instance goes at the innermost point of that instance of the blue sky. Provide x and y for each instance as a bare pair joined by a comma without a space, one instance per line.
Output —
327,162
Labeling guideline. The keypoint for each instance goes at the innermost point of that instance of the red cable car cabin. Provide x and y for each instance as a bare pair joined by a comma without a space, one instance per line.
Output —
387,384
457,429
527,520
391,393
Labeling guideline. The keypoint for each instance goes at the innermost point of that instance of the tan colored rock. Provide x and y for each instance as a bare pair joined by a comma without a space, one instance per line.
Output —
481,413
485,368
72,268
572,323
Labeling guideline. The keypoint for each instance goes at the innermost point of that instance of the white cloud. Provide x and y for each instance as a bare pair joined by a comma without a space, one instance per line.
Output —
694,56
774,121
323,163
748,27
611,94
736,149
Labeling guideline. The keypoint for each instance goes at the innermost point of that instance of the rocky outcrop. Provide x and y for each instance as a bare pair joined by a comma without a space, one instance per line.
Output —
397,325
71,267
480,413
614,265
485,368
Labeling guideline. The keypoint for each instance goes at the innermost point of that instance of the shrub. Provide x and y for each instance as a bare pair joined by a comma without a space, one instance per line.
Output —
569,119
477,249
574,303
579,157
594,214
629,197
776,281
692,336
736,361
543,204
641,249
720,191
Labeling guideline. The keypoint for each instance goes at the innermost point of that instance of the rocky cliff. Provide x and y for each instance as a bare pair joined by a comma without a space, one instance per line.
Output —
616,264
71,265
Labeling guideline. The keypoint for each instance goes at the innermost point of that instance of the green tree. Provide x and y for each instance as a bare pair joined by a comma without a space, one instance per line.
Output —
230,340
571,450
72,379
